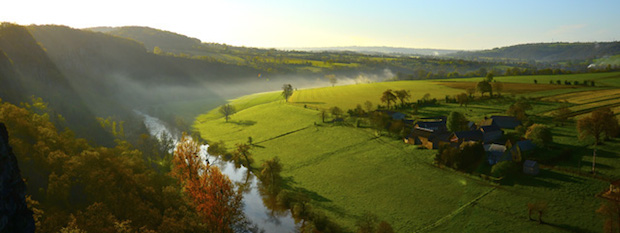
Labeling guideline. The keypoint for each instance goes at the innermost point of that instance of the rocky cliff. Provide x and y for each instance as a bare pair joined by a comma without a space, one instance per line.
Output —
14,214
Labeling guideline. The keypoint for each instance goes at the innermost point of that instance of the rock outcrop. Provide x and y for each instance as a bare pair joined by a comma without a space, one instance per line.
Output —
14,213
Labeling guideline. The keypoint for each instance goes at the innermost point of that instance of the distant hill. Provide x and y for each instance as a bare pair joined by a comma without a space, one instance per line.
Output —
152,37
383,50
546,52
312,63
26,70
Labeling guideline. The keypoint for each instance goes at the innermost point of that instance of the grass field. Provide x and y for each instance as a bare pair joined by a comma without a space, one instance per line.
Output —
586,101
347,97
348,171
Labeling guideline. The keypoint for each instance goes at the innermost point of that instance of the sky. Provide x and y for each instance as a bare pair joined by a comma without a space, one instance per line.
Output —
450,24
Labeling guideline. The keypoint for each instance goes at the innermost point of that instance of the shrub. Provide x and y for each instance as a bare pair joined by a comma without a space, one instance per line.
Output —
539,134
503,169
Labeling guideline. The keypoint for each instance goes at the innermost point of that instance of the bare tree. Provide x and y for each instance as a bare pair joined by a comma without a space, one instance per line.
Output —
227,110
332,79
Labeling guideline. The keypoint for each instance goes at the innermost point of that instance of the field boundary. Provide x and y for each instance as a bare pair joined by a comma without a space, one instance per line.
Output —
455,212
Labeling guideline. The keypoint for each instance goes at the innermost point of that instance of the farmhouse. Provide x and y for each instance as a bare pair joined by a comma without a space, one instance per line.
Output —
465,136
503,122
491,133
472,125
428,138
496,153
432,125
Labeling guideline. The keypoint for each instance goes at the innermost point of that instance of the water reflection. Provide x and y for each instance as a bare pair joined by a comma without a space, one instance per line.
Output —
260,207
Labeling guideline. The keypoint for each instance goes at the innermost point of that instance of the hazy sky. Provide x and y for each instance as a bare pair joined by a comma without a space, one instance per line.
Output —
453,24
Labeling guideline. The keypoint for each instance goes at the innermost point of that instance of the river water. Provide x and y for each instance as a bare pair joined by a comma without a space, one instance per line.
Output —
254,208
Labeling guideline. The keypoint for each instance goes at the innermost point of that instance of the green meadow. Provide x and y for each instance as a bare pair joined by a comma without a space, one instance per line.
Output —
348,171
347,97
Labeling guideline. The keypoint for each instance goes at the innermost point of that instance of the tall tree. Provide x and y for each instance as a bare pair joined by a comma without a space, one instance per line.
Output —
483,87
402,95
242,155
489,77
601,123
463,99
270,174
471,91
211,192
388,97
227,110
518,109
369,106
287,91
332,79
336,111
456,122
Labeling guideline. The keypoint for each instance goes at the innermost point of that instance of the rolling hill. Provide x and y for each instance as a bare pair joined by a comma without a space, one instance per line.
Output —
546,52
350,170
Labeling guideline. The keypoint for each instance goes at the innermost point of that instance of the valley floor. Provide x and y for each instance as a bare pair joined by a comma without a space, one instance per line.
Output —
348,171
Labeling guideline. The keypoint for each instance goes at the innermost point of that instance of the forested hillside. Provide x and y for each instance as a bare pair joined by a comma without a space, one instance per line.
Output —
547,52
27,71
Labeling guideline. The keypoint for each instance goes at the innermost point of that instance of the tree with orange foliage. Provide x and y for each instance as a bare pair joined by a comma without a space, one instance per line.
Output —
212,193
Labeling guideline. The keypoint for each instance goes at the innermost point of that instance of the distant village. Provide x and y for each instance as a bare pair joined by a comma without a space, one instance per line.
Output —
432,132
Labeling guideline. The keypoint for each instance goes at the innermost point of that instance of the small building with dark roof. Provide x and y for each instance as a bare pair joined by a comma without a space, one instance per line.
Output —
427,138
530,167
472,125
524,145
464,136
432,125
491,133
503,122
496,153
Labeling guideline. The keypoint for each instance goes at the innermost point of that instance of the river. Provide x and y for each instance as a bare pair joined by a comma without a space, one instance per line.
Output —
253,207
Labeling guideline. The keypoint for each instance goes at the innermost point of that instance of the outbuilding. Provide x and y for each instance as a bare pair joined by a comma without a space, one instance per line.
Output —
530,167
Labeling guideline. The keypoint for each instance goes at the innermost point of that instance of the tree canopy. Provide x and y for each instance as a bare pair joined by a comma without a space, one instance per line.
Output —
388,97
484,87
539,134
212,193
457,122
287,91
402,95
601,123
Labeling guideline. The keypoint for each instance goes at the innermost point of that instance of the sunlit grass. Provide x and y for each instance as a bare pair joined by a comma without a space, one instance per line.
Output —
348,171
